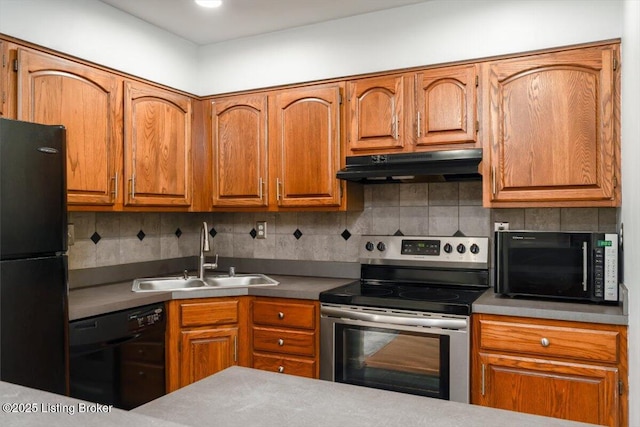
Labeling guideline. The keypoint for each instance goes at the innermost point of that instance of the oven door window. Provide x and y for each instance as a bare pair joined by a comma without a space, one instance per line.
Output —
395,360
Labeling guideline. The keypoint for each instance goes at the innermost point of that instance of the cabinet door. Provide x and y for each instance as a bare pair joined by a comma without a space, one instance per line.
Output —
86,101
446,106
239,146
376,114
552,130
207,351
306,132
157,144
575,392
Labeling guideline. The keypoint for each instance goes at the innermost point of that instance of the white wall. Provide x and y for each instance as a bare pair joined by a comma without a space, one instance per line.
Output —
428,33
631,191
97,32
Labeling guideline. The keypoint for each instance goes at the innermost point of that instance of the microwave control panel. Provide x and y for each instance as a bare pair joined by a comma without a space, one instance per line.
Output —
606,268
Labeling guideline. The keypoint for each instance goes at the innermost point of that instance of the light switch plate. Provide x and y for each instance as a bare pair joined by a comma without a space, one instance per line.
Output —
261,229
500,226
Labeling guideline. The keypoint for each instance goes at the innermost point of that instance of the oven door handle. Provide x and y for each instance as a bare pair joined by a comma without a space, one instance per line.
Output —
395,319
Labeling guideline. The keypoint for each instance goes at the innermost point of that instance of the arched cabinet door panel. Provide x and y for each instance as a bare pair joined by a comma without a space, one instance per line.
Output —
87,102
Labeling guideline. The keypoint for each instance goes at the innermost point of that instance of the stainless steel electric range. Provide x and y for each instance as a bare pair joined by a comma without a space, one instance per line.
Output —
405,325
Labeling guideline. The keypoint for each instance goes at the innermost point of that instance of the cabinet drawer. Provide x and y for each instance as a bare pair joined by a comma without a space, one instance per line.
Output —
208,313
148,352
284,314
282,341
552,341
285,365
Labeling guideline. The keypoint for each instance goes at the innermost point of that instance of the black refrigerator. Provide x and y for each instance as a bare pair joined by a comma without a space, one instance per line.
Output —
33,259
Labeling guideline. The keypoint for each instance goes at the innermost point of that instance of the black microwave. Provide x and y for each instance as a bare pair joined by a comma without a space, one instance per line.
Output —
559,265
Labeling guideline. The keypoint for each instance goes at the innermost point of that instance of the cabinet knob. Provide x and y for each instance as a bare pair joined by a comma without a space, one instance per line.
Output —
280,342
280,315
544,342
281,369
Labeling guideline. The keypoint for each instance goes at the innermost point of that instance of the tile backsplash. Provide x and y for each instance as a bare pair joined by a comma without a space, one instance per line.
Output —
105,238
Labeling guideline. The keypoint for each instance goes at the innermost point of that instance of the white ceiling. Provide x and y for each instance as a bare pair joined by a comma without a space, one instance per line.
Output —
243,18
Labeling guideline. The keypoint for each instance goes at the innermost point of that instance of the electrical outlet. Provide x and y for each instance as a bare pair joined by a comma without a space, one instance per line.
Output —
500,226
261,229
71,235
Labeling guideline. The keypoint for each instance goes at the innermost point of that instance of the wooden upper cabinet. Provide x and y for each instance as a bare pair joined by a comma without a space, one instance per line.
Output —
305,130
375,115
86,101
157,146
239,147
446,106
552,130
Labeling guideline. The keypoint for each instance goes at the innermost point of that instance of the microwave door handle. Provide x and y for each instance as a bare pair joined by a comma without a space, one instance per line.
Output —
585,255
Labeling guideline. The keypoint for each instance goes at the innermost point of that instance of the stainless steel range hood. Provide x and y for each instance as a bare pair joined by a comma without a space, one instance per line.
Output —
449,165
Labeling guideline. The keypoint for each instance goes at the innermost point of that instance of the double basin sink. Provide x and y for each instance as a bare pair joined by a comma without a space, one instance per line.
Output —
186,283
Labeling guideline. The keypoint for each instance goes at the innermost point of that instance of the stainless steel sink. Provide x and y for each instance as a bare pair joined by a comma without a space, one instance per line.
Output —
167,284
240,280
189,283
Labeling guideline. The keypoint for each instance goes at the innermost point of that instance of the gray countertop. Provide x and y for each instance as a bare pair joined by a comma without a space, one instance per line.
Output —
92,301
248,397
491,303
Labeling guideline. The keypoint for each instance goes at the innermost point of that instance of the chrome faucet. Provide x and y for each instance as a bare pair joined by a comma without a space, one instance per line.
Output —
205,247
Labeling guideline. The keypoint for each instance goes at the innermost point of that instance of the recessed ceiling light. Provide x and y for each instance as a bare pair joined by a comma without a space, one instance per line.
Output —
209,3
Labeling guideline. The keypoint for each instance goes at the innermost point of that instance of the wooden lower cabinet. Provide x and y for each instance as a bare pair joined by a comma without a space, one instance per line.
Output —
285,336
204,336
570,370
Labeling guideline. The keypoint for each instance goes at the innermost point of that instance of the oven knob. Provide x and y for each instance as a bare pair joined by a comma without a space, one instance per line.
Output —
461,249
448,248
381,246
474,249
369,246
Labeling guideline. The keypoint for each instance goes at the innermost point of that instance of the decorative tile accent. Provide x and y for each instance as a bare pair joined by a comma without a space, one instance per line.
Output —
178,233
213,232
253,233
95,237
398,233
345,234
297,234
141,235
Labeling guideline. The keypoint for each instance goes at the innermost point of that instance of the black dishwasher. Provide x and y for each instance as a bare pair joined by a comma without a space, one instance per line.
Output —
118,358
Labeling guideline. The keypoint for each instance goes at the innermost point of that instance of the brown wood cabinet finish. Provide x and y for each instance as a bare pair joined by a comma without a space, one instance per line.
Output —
304,139
204,336
552,136
570,370
239,147
157,145
446,106
87,102
285,336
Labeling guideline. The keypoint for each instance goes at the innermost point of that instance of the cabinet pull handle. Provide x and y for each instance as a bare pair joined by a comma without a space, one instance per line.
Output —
280,315
280,342
419,125
585,260
260,185
482,384
545,342
115,186
132,185
493,180
235,348
278,188
281,369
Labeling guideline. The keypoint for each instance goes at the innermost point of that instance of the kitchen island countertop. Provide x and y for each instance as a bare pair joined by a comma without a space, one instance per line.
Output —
243,397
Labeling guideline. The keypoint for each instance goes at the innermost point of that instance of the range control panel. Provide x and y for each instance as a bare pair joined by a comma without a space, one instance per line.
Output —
464,252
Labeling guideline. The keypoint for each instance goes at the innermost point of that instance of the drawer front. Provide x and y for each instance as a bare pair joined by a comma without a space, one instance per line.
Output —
285,365
552,341
284,314
286,342
146,352
208,313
